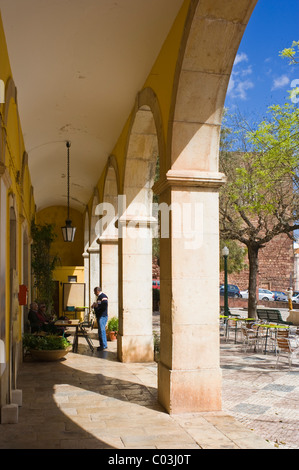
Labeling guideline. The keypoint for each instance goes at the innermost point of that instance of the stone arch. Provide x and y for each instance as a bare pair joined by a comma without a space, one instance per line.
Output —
108,237
189,368
110,196
85,255
23,170
212,35
25,279
10,97
32,205
86,229
93,249
13,301
94,218
145,142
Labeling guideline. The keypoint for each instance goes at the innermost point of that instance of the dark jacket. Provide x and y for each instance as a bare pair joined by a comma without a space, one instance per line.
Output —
102,309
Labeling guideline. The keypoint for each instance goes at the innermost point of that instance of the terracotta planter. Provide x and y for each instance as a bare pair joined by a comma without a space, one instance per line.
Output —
49,355
112,335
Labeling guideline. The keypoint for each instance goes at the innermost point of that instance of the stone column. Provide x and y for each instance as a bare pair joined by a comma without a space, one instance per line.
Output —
189,375
86,278
109,272
94,270
135,338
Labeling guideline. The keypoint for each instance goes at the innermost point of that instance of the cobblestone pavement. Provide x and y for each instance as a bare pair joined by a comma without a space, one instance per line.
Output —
262,397
92,401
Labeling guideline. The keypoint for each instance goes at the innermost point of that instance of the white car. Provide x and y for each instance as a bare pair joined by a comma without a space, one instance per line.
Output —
244,294
264,294
295,299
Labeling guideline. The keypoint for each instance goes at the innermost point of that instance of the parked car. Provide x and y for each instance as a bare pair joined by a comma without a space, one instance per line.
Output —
232,290
264,294
295,299
280,295
156,284
244,294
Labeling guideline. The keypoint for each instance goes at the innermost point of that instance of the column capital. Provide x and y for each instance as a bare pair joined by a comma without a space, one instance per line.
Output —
137,220
4,173
189,178
93,249
107,240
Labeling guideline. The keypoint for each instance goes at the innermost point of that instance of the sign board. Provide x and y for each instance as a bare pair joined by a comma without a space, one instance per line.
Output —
73,295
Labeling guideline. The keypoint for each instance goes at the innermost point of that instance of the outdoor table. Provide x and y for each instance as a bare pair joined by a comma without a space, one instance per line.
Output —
268,326
70,323
80,331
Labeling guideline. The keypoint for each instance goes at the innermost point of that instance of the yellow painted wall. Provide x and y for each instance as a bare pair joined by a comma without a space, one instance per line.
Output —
19,193
61,275
4,60
161,80
70,253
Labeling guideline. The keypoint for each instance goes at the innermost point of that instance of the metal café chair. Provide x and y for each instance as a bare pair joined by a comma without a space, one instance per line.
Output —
285,347
250,337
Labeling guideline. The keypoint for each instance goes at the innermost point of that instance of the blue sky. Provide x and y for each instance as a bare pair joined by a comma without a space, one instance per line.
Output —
260,77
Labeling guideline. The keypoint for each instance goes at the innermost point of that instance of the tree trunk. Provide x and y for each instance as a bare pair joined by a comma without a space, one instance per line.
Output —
253,250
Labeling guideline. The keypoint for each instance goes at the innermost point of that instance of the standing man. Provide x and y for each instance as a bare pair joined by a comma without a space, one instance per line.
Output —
101,311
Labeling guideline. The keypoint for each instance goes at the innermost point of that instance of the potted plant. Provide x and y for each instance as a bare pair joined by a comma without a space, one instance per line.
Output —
43,262
156,346
112,328
46,347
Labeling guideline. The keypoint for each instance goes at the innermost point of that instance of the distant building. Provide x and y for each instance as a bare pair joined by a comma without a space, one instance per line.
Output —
278,266
296,266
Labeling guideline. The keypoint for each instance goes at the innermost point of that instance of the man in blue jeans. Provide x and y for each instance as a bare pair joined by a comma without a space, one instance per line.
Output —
101,312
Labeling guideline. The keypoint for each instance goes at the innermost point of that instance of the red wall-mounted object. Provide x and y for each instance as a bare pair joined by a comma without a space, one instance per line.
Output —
22,294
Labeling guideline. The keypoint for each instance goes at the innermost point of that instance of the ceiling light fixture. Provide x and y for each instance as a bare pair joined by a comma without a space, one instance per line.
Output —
68,232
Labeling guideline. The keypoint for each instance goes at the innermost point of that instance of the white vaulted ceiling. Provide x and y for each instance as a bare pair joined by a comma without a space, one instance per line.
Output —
77,66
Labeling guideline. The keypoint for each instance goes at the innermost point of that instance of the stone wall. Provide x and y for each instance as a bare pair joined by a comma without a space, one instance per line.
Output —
243,303
276,264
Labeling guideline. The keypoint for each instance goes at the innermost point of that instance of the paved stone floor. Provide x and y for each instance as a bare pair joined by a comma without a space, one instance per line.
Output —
260,396
91,401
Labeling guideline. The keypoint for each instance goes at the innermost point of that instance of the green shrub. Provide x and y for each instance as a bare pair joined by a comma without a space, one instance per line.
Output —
47,342
113,324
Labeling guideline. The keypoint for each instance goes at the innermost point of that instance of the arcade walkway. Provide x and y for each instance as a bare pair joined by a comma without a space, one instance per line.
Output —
95,402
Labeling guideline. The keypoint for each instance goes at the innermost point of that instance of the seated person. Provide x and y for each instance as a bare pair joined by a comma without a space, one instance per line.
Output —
39,322
36,320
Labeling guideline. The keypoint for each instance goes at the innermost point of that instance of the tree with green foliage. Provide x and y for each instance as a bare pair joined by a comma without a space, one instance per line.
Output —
237,253
260,199
43,262
292,53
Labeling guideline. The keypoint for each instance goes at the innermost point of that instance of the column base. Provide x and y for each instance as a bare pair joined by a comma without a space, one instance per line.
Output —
10,414
189,391
133,348
17,397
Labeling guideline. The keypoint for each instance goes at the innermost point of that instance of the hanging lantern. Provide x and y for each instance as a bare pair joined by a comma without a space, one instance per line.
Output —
68,232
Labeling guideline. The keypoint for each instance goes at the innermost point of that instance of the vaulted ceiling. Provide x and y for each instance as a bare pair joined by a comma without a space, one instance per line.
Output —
77,66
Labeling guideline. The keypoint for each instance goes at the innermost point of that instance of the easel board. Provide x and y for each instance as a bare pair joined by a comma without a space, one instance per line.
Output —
73,295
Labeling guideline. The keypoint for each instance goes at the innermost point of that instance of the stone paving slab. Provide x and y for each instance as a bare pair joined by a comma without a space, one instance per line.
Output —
259,395
91,401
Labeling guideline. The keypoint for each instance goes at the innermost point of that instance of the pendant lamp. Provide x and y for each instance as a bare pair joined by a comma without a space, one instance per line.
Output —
68,232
